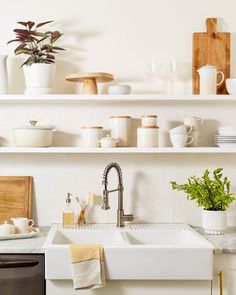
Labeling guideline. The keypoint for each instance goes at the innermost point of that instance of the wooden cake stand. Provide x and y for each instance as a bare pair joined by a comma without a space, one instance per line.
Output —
90,80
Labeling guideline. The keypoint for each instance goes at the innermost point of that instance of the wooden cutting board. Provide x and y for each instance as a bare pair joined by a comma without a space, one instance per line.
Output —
211,48
15,197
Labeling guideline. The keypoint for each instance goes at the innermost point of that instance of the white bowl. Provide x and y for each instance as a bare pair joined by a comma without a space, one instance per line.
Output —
231,85
119,89
227,130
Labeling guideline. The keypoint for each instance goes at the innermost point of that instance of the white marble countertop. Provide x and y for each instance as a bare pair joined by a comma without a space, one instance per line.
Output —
223,243
30,245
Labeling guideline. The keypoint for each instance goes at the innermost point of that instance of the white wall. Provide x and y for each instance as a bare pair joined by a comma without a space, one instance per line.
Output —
118,37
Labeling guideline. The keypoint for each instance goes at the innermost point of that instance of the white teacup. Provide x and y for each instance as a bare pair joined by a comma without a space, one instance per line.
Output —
197,136
193,122
22,224
180,140
7,229
180,130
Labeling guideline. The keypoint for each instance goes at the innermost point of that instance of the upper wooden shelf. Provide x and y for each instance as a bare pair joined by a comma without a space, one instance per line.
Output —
144,98
128,150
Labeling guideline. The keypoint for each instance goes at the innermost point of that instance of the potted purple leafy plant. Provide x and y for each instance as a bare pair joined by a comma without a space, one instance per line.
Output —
40,49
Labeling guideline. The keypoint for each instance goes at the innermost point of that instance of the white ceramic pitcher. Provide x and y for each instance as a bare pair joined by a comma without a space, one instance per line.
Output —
208,79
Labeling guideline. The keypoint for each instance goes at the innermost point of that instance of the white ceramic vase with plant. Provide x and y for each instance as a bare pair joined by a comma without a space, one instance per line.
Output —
39,46
211,193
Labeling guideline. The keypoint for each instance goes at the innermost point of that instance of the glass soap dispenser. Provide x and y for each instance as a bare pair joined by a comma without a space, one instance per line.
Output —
68,213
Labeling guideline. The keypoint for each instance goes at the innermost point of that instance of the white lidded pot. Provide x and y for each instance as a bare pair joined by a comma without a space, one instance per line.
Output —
208,79
33,135
108,142
7,229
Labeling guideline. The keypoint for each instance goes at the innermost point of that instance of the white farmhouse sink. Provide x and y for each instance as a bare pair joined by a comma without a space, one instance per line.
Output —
138,251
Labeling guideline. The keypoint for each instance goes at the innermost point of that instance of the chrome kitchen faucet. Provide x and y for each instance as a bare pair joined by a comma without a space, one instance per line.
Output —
121,216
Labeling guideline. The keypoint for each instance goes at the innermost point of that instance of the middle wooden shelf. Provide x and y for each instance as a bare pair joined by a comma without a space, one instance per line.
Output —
128,150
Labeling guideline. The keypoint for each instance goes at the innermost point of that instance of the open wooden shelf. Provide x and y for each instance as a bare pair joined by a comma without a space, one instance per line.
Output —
130,150
80,98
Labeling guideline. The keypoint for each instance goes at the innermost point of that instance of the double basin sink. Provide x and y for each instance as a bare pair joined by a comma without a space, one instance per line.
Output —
135,252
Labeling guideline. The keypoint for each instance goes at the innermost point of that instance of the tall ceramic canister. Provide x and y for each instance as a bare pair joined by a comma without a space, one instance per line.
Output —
3,75
121,129
208,79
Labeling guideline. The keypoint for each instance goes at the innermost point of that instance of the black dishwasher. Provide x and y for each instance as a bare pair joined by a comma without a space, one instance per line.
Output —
22,274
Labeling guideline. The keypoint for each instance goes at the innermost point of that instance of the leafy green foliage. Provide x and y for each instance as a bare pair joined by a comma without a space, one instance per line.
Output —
38,45
210,193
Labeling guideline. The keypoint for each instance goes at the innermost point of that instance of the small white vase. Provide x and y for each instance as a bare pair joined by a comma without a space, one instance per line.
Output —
214,222
39,78
3,75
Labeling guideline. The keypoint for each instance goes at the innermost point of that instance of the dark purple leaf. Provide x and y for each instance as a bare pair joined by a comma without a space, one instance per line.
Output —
57,48
35,33
44,23
30,24
14,40
50,56
23,23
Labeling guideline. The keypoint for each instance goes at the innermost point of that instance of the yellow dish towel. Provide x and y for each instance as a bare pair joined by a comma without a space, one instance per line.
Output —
87,262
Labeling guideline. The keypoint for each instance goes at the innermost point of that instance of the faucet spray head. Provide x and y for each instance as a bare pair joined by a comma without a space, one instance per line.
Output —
105,205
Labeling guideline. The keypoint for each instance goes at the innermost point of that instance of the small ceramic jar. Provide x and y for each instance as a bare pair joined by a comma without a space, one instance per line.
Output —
108,142
149,120
148,136
119,89
91,136
7,229
121,129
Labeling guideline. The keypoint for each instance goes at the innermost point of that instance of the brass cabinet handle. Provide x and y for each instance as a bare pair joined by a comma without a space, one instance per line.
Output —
221,281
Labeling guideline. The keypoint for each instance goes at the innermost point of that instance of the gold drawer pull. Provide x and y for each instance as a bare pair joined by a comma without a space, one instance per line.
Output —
221,282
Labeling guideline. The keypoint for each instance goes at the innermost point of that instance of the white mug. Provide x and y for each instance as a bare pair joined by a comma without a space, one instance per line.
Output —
181,129
23,224
180,140
193,122
197,136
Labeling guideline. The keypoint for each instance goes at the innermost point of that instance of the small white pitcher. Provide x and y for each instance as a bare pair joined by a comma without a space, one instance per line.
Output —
208,79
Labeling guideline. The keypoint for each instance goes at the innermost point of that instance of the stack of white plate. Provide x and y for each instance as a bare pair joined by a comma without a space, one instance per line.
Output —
226,137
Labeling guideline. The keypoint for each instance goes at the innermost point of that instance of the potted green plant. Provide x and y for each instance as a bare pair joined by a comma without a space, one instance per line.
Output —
211,193
39,47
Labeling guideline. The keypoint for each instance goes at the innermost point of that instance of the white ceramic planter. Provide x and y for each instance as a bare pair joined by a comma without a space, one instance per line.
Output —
33,136
214,222
39,78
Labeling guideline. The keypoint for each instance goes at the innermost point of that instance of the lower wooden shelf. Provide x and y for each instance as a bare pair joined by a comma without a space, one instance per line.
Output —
129,150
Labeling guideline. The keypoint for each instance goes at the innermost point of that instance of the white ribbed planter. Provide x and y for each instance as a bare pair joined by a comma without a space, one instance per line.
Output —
214,222
39,78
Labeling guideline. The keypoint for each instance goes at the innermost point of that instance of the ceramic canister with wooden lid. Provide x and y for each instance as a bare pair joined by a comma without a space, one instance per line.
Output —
91,135
149,120
121,129
148,136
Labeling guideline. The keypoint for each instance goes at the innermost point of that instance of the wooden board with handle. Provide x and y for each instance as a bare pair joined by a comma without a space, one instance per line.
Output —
211,48
15,197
